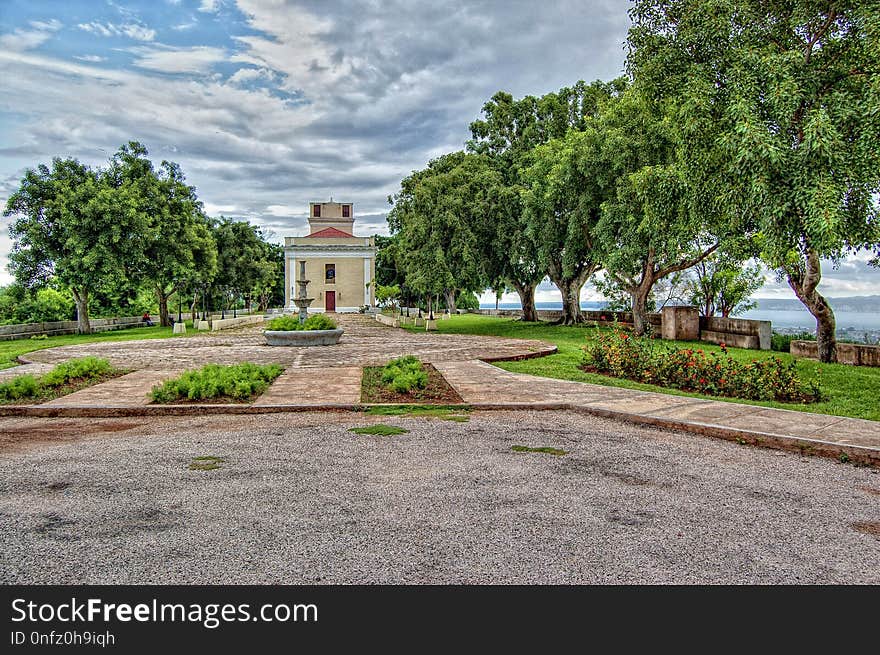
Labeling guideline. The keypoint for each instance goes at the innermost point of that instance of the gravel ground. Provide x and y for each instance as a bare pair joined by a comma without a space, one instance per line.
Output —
300,499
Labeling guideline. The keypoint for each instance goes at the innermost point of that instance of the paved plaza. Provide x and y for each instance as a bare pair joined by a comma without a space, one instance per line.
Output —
364,343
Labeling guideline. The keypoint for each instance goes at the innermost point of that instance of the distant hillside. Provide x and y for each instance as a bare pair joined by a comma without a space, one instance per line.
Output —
850,304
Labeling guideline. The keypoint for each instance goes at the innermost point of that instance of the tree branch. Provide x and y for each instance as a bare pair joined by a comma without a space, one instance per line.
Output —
663,272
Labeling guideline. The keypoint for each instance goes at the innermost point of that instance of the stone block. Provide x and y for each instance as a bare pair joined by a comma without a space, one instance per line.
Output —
179,328
680,323
750,341
418,321
430,325
855,354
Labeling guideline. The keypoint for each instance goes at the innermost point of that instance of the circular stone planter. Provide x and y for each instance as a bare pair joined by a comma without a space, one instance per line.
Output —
302,337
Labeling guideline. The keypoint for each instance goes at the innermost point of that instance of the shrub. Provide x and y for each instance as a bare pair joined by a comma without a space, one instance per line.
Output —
292,324
238,381
82,368
284,324
717,374
404,374
22,386
319,322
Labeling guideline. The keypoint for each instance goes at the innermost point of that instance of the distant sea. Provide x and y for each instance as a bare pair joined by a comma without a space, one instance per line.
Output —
785,320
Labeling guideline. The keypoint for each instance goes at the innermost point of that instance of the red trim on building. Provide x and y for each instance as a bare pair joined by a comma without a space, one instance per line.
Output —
330,233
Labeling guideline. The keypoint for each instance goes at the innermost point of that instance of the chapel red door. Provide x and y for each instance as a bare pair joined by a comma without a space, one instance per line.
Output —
330,301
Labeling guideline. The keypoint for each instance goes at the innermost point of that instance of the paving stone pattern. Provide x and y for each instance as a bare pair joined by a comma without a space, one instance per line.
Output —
365,343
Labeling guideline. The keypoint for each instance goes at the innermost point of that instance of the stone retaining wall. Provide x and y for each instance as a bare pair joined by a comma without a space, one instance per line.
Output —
227,323
736,332
55,328
856,354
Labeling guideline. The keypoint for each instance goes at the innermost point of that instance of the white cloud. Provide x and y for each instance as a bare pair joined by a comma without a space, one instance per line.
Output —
244,75
23,39
131,30
197,59
209,6
52,25
90,58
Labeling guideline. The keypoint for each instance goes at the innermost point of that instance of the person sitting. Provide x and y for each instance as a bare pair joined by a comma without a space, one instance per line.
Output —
147,320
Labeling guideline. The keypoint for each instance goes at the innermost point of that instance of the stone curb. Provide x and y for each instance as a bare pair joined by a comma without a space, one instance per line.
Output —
802,445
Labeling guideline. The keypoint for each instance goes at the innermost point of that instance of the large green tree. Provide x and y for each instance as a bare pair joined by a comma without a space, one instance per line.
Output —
779,99
658,220
563,194
179,246
83,227
440,216
246,261
507,133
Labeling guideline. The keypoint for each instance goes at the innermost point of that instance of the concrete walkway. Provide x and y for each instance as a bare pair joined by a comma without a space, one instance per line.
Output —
129,390
314,386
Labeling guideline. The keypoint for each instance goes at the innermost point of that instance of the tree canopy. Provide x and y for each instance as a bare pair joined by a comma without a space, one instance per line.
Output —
780,101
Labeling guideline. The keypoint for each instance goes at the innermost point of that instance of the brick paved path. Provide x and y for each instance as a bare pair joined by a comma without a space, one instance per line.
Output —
365,342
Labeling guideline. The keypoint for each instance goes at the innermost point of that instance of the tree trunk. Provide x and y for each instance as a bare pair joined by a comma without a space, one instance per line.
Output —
449,295
526,294
639,295
81,298
163,306
570,288
571,301
804,282
194,308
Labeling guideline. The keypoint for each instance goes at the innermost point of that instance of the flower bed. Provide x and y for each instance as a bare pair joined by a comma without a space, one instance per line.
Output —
215,383
621,355
65,378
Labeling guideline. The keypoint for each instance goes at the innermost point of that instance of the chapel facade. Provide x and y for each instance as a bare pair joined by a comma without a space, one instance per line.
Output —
340,266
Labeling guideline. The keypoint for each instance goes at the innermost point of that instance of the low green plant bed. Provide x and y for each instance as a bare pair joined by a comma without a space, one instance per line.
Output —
547,450
621,355
405,380
404,374
292,324
239,382
65,378
379,429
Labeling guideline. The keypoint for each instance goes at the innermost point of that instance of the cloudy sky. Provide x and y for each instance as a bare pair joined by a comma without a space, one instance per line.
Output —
269,104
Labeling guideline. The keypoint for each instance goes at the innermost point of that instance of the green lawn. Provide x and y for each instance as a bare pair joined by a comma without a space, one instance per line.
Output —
850,390
9,350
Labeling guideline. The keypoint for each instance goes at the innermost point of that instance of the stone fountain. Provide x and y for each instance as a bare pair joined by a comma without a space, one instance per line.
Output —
301,301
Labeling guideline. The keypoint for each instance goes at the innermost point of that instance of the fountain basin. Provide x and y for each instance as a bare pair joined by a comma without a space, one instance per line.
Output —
303,337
